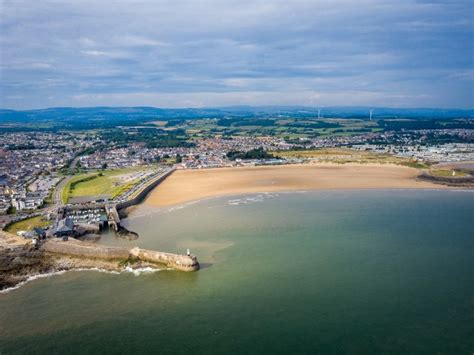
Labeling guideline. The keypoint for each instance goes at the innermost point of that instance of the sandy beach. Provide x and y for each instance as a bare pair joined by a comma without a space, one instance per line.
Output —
191,185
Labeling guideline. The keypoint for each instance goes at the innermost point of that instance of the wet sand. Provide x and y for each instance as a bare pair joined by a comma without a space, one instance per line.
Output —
191,185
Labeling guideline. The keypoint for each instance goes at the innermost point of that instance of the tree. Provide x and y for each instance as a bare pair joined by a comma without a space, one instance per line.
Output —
258,153
104,166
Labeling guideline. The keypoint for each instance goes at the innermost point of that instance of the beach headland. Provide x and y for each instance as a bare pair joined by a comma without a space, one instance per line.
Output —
192,185
21,261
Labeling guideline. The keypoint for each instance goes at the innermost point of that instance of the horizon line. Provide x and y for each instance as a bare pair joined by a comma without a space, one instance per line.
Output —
246,106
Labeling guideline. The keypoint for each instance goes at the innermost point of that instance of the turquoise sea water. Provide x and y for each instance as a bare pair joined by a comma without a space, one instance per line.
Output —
361,272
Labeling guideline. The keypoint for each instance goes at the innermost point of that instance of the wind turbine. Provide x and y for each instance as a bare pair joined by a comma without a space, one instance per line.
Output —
319,111
371,111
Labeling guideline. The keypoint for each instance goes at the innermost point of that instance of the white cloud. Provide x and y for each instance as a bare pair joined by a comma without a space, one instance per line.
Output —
131,40
96,53
251,51
39,65
87,42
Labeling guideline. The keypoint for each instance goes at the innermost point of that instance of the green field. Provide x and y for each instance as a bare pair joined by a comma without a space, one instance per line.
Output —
344,155
285,127
98,183
28,224
447,173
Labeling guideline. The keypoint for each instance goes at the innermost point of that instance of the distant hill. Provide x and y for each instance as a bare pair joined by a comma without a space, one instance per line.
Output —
103,117
351,111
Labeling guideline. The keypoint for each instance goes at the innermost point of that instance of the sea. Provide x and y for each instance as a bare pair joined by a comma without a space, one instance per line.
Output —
323,272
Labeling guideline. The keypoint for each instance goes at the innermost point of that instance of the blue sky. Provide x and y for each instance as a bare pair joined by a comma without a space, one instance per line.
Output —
216,53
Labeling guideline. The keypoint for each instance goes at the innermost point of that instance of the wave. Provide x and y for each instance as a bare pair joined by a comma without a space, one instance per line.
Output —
181,206
251,199
140,271
128,269
32,278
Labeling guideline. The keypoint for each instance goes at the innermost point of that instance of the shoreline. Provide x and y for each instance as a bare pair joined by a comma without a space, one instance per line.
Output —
186,186
60,271
21,264
134,210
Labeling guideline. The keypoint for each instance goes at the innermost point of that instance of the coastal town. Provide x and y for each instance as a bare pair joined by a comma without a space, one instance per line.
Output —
33,165
236,177
62,190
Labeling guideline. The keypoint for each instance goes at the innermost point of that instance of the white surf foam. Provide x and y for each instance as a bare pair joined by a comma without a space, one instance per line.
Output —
32,278
128,269
251,199
140,271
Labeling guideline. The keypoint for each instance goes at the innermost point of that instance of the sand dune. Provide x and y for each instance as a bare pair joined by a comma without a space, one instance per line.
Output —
190,185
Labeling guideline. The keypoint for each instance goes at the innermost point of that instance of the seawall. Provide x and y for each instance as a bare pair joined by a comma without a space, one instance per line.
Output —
179,262
144,192
76,248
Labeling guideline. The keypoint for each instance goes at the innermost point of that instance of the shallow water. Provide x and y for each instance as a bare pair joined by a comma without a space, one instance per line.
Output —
325,271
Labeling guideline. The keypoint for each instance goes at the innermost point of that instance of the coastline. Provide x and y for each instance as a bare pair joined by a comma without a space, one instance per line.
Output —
23,262
189,186
185,186
20,264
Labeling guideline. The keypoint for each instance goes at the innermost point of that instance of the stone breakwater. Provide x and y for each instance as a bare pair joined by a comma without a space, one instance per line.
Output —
20,262
179,262
80,249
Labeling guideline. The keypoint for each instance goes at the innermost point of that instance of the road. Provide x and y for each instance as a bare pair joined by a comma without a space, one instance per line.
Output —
58,190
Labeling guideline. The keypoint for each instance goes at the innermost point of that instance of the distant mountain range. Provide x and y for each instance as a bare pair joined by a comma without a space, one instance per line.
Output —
133,115
231,111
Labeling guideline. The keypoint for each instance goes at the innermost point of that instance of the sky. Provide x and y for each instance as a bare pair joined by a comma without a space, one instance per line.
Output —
402,53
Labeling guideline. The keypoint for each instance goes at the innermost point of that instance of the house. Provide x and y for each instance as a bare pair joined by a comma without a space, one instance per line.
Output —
64,228
18,204
40,232
35,233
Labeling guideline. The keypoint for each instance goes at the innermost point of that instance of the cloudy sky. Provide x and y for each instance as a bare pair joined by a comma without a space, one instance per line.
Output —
397,53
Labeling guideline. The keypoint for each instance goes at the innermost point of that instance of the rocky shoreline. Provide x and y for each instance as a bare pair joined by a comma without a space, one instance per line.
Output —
462,182
19,264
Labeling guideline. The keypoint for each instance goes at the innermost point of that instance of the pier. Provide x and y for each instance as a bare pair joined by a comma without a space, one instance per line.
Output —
112,217
77,248
186,262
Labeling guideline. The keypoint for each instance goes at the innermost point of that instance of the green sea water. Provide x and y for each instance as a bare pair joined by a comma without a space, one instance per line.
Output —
329,272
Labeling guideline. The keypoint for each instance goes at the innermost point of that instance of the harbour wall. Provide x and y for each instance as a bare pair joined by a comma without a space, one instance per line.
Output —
179,262
73,247
76,248
144,192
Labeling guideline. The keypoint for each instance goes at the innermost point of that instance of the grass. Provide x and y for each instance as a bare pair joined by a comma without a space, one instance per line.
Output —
67,190
28,224
446,173
104,183
345,155
414,164
283,127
